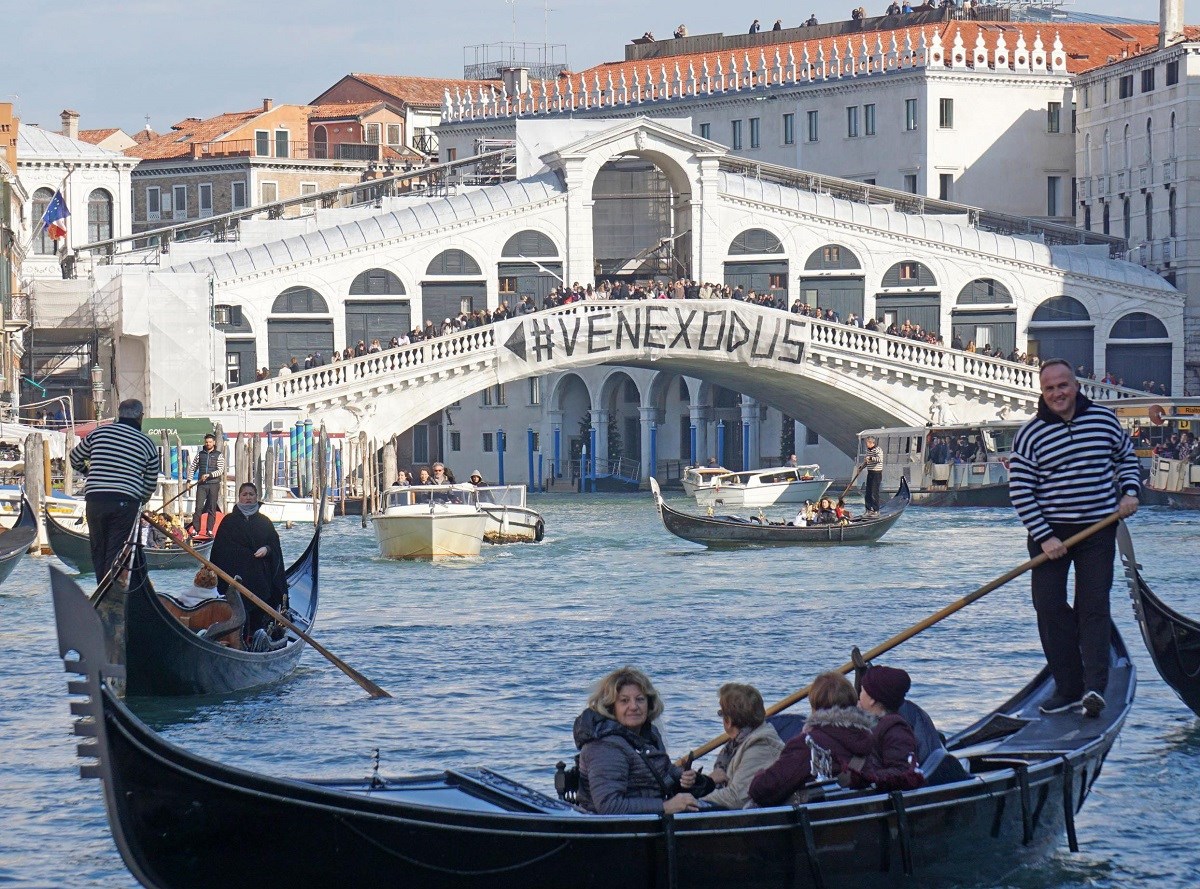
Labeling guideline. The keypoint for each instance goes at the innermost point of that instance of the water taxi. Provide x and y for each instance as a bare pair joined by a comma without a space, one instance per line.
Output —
696,477
955,465
764,487
430,522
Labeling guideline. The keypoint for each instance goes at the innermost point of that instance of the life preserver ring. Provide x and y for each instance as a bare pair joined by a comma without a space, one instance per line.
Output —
539,531
1156,414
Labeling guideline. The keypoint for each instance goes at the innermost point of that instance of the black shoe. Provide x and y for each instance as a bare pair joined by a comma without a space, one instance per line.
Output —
1093,703
1059,703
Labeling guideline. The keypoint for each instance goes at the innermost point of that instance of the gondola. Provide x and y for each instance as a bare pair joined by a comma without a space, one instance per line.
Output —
1172,639
164,654
74,550
181,820
725,531
15,542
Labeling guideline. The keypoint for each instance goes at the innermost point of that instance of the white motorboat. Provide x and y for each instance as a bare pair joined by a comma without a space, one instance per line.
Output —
65,508
764,487
697,477
430,522
510,520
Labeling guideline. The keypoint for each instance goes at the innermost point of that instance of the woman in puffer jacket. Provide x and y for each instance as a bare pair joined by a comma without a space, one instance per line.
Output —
836,733
623,765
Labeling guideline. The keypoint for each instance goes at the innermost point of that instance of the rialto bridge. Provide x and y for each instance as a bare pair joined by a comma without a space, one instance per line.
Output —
641,199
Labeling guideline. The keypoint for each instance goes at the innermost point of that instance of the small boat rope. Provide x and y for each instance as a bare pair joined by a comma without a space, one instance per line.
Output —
437,868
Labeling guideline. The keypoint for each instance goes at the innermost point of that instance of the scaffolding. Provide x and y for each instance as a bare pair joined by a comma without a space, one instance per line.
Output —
485,61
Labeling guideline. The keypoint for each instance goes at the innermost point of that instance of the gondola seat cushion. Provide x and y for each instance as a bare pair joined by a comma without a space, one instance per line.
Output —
203,616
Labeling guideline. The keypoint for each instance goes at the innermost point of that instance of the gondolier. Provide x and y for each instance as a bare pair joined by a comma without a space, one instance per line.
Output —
873,461
1067,464
121,464
208,468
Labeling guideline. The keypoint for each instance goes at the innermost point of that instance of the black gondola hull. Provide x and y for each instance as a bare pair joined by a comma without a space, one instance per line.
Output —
180,820
994,496
1172,639
74,550
163,657
17,540
725,531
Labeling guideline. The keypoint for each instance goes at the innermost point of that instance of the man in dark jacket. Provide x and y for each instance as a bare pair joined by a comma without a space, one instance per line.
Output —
121,464
208,468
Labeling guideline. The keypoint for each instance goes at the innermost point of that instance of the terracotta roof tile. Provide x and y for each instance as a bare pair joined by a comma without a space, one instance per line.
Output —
340,110
427,91
177,142
95,137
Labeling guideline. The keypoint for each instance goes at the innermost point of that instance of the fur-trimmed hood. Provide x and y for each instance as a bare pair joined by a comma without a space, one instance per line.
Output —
842,717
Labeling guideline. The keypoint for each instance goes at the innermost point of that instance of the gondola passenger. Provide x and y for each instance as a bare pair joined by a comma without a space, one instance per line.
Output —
623,764
895,760
836,734
247,546
753,746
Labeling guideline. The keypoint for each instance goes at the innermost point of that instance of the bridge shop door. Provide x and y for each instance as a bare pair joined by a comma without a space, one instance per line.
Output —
919,308
368,320
445,299
297,337
761,277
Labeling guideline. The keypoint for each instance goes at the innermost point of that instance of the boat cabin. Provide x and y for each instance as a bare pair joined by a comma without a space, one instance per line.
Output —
404,498
774,476
952,457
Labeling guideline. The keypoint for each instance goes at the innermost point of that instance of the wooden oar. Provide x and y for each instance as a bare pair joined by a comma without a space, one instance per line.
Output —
370,687
186,488
852,481
928,622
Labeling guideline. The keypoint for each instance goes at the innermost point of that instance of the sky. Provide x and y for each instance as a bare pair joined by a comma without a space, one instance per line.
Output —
117,63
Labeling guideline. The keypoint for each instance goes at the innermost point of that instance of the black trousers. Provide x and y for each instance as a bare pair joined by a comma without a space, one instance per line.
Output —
206,502
871,490
109,524
1076,638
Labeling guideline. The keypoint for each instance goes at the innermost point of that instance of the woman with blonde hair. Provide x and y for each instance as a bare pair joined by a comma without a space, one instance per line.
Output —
623,764
753,745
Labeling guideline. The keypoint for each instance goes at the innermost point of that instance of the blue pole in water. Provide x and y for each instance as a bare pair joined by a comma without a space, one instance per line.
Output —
296,451
309,470
592,458
721,443
174,462
529,440
556,467
693,441
500,455
745,447
540,483
337,470
653,449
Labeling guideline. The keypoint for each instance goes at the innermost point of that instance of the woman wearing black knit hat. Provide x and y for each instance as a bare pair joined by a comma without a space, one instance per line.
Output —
893,763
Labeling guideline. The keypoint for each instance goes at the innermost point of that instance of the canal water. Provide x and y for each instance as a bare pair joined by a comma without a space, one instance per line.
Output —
490,661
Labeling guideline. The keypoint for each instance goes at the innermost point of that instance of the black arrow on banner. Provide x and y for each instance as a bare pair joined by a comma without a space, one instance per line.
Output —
516,342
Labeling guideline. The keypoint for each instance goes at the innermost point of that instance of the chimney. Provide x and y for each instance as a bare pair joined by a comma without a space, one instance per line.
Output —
1170,22
268,104
70,124
515,80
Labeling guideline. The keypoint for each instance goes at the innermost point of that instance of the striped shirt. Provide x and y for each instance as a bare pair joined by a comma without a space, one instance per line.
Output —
873,459
118,459
1068,472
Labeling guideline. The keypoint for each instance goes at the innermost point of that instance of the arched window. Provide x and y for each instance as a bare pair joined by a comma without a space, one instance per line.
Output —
1171,139
1149,141
42,244
377,282
1087,155
832,257
1126,220
909,274
1171,229
299,301
983,291
1061,308
1139,326
1149,216
1107,225
1125,144
320,142
755,240
453,262
1087,217
529,243
100,216
1105,159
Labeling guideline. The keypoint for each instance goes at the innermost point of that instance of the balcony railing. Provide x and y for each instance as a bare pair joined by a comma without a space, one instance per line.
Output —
252,148
1169,170
1122,182
1101,186
1084,185
350,151
1145,176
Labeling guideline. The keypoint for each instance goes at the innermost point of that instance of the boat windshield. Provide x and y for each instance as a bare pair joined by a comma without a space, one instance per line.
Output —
502,495
427,494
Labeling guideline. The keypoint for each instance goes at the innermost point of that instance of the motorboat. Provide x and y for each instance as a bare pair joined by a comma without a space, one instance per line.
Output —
510,520
430,522
696,477
62,506
764,487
